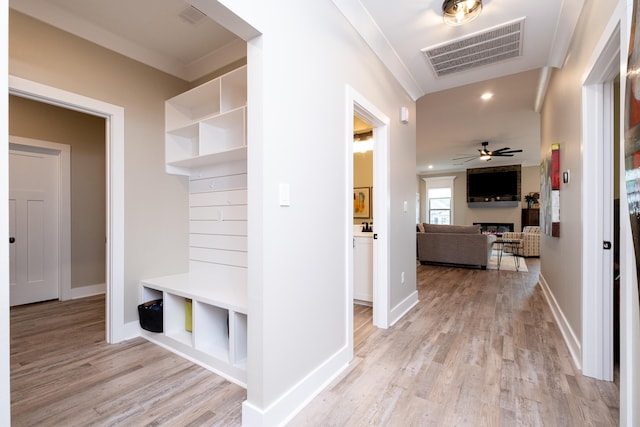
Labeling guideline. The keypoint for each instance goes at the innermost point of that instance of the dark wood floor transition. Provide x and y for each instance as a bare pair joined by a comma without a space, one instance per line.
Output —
481,348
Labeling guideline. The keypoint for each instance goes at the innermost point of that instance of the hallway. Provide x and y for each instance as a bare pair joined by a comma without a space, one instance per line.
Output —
481,348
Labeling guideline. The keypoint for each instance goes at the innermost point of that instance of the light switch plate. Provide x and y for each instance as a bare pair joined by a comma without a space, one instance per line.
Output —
285,197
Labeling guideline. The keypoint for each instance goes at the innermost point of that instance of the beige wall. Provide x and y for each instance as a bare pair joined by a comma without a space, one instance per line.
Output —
561,263
363,177
463,214
153,200
86,136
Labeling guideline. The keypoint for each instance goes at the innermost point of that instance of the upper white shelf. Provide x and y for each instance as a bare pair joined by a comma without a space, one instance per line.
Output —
206,121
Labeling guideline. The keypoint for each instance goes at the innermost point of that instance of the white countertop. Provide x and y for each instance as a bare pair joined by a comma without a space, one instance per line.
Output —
357,231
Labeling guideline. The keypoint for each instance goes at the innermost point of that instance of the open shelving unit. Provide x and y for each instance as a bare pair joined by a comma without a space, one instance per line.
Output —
219,321
205,310
207,124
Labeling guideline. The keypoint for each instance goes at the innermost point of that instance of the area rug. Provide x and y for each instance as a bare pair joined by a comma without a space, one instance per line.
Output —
507,263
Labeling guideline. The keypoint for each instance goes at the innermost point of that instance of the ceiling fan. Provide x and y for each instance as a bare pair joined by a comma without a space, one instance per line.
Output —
486,154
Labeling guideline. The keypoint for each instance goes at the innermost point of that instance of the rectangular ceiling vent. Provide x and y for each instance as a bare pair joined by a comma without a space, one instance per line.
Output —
495,45
192,14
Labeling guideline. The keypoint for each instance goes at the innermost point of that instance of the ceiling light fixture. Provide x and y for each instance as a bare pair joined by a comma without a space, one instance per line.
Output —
363,141
486,96
458,12
484,153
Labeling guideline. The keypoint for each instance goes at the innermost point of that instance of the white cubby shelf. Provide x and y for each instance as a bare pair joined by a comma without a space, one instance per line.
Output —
218,336
207,124
205,139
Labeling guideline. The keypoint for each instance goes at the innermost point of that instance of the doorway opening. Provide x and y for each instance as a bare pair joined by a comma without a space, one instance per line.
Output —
601,126
360,107
81,138
113,115
363,228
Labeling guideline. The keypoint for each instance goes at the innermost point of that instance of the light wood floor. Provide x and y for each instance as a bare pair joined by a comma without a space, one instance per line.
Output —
481,348
64,374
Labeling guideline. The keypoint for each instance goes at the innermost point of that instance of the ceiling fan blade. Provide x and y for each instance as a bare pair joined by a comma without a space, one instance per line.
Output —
503,155
501,149
508,152
465,156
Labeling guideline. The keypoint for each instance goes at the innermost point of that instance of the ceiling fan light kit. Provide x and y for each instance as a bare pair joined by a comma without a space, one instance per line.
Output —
486,154
458,12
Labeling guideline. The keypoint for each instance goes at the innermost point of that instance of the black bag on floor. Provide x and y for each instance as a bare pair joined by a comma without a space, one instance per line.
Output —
151,315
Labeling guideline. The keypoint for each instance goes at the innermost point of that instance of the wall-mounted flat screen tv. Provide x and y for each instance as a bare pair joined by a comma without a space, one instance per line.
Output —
494,184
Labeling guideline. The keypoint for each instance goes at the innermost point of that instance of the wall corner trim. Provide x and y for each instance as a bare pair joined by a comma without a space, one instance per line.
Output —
298,396
403,307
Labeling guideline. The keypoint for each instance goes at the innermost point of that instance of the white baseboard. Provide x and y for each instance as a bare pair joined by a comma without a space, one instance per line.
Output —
570,338
297,397
403,308
131,330
85,291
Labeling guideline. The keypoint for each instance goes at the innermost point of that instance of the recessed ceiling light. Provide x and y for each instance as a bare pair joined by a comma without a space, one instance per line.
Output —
487,96
430,166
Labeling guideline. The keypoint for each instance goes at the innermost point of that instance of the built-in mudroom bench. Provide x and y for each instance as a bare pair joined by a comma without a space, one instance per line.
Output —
204,320
204,310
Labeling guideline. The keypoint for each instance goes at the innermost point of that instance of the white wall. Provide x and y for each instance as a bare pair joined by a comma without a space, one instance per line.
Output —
298,268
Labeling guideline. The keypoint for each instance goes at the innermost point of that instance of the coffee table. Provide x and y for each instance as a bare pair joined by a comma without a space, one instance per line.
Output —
514,245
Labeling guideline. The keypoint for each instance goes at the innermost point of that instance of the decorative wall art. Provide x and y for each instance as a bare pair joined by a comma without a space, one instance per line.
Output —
361,202
550,192
632,133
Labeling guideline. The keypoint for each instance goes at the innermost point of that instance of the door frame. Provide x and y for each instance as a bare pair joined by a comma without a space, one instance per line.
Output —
116,330
358,105
597,209
63,154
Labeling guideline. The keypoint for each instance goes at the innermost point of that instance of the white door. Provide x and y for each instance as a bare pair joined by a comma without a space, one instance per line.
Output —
33,224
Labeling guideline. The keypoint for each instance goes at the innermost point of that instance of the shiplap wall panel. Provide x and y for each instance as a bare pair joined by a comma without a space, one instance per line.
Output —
219,198
220,169
220,272
219,256
228,228
230,243
218,183
218,220
218,213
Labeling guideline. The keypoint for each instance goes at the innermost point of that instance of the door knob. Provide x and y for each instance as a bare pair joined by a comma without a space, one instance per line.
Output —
12,239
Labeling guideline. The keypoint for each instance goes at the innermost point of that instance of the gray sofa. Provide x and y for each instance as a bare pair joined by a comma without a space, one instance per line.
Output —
462,245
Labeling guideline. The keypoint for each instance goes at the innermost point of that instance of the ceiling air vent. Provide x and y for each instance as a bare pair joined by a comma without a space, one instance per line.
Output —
495,45
192,14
